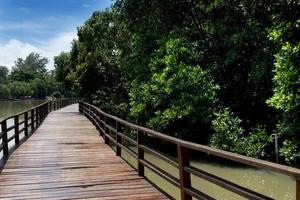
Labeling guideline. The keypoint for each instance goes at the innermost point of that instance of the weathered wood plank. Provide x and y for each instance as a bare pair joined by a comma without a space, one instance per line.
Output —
67,159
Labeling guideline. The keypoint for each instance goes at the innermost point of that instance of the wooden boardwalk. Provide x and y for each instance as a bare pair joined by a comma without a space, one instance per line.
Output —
67,159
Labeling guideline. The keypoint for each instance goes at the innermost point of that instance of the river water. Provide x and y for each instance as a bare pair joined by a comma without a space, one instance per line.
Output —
272,184
8,108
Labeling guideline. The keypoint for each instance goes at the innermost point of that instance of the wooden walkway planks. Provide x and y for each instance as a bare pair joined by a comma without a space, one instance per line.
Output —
67,159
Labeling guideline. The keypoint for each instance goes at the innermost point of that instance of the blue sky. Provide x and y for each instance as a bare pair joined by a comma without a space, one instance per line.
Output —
43,26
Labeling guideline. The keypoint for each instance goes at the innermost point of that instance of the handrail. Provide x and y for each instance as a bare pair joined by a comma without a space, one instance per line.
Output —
108,124
31,119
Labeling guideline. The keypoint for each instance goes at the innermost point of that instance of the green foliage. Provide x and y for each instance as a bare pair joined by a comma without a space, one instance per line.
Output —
34,66
286,99
290,151
227,131
177,93
171,70
287,79
286,96
228,135
62,64
93,66
257,143
20,89
3,74
39,88
4,92
33,62
57,94
29,78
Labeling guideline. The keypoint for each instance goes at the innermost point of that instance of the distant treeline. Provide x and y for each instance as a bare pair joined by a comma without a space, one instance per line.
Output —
29,78
222,73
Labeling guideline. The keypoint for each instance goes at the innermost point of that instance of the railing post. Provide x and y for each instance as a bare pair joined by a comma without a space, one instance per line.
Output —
97,121
47,108
4,137
41,114
80,107
100,123
119,139
106,139
26,123
32,119
17,140
89,113
298,188
140,141
93,117
185,177
36,116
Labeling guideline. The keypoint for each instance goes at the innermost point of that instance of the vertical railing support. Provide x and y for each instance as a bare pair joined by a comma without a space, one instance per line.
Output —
47,108
36,116
106,139
80,107
119,139
26,123
92,116
103,124
185,177
4,137
298,188
32,119
140,141
16,121
50,106
43,114
100,124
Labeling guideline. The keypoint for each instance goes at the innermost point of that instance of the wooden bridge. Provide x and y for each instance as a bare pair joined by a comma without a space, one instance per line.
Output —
66,159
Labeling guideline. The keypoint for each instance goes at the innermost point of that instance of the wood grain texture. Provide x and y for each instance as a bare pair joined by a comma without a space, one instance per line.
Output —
67,159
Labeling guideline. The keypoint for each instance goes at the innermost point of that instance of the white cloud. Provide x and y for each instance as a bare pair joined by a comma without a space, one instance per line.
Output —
14,49
86,5
56,45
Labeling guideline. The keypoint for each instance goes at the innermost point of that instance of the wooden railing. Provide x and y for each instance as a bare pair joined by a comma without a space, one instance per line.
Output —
112,129
25,123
